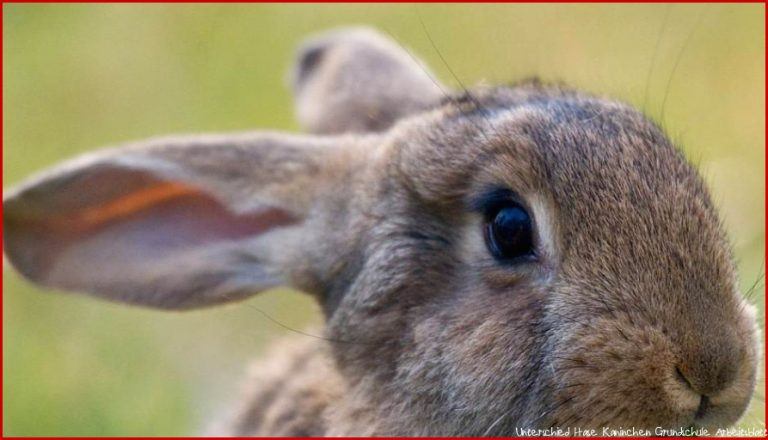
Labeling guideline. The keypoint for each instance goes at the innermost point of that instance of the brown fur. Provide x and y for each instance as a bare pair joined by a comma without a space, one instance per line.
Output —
629,313
289,392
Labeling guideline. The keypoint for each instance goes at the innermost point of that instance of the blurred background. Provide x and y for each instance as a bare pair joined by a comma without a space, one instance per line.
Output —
78,77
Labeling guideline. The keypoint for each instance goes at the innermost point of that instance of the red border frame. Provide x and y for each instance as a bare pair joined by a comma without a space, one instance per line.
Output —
765,17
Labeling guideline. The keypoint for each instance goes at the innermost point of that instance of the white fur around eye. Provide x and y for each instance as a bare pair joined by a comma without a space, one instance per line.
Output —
545,226
473,248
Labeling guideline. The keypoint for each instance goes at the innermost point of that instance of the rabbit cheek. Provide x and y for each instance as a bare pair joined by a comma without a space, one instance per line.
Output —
611,374
471,367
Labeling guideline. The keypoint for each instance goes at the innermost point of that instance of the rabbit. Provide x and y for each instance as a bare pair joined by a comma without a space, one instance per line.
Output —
488,261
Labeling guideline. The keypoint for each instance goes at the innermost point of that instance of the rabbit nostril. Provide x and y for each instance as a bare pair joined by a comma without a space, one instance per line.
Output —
703,407
710,370
681,377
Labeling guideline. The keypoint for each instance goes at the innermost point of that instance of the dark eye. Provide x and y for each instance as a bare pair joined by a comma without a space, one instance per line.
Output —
509,233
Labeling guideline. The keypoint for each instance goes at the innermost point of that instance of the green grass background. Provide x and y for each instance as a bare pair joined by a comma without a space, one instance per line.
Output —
77,77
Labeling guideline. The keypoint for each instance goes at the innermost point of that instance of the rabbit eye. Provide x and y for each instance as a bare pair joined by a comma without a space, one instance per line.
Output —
509,233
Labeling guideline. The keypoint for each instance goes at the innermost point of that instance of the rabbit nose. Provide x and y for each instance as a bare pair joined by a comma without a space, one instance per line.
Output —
710,369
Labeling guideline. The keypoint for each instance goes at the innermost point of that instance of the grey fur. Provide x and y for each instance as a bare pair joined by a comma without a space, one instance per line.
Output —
630,312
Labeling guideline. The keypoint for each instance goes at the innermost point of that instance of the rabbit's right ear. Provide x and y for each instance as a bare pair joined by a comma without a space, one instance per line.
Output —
175,222
357,80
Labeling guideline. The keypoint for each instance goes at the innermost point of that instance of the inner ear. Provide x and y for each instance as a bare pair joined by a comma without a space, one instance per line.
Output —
178,222
357,80
308,60
62,237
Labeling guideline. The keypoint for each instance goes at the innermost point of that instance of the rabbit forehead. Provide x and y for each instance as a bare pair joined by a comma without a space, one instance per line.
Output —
626,213
615,181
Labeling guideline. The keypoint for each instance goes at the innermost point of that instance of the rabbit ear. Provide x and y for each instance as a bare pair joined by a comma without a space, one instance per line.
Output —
170,223
356,80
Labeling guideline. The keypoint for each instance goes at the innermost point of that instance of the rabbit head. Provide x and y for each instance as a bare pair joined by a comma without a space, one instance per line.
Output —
523,256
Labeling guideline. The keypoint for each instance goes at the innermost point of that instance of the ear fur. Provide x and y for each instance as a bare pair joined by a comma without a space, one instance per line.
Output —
356,80
173,222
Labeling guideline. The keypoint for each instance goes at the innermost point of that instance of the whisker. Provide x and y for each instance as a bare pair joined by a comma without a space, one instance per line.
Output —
440,54
677,63
420,64
654,58
496,422
294,330
483,110
756,285
553,409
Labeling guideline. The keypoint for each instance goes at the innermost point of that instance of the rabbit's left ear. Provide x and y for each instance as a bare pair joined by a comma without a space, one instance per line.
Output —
175,223
356,80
